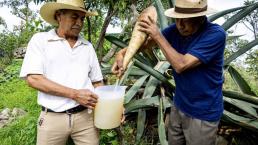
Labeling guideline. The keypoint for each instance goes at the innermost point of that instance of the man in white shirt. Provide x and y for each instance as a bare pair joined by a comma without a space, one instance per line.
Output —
64,68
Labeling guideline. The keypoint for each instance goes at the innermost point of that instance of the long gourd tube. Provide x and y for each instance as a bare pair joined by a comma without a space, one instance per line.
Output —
138,37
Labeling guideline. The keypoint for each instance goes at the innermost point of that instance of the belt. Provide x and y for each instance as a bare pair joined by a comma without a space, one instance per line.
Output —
69,111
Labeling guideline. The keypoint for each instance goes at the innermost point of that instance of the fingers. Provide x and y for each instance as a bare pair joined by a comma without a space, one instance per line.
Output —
145,27
144,24
151,20
115,68
87,98
93,96
120,68
92,99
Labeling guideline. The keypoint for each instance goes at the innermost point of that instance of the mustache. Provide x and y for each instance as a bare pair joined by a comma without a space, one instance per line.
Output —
76,27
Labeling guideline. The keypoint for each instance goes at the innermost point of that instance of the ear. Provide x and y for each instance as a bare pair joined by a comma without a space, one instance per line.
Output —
58,16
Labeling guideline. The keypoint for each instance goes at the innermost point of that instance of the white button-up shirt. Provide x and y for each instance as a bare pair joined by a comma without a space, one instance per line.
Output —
50,55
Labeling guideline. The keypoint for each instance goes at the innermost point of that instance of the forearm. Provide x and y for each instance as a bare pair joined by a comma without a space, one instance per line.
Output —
47,86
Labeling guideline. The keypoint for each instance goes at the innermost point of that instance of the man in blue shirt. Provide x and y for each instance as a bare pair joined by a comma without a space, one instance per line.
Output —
194,47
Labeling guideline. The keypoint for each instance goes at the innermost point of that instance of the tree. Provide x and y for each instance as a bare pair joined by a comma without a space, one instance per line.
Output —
251,23
20,8
252,61
251,20
2,22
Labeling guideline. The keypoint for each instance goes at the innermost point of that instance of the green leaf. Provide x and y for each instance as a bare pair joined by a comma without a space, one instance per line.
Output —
140,124
146,103
153,82
154,73
240,96
148,92
116,41
241,51
161,124
237,17
240,81
137,72
106,70
242,105
223,13
162,18
134,89
241,121
126,74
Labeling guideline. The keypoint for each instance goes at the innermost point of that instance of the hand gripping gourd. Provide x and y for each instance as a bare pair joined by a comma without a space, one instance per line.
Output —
138,37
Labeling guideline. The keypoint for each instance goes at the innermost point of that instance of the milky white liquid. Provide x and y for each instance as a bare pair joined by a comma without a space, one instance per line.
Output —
108,113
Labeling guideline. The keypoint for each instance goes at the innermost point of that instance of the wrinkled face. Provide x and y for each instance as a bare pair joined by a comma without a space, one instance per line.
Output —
187,26
70,22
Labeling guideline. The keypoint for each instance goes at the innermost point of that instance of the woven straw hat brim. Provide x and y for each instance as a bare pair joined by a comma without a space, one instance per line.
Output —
171,13
47,11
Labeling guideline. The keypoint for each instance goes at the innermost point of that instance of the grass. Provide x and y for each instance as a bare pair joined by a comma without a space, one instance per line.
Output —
15,93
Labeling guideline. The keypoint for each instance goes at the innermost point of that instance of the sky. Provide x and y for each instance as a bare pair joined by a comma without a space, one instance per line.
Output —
219,5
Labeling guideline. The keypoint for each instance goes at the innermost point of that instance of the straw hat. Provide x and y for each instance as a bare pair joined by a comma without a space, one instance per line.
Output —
48,10
189,9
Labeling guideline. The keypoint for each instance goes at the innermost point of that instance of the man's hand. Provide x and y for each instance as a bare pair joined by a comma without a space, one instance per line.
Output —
86,98
117,67
149,27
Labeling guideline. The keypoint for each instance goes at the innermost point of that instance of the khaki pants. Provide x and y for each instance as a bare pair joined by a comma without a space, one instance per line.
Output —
55,128
185,130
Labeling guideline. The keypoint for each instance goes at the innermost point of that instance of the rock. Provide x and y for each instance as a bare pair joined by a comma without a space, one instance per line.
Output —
19,52
6,112
2,117
18,112
6,116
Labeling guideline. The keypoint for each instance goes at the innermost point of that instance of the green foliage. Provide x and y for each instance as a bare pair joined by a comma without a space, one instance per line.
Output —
232,54
10,72
252,61
2,22
15,93
20,8
9,41
108,137
251,20
143,101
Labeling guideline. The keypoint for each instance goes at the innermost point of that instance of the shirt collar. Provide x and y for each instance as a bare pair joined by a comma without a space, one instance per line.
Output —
55,37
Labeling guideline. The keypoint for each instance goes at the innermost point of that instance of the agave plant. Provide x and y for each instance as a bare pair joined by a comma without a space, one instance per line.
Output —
152,75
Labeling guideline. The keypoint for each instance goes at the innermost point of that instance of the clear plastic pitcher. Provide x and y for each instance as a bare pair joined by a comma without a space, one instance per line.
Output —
109,109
